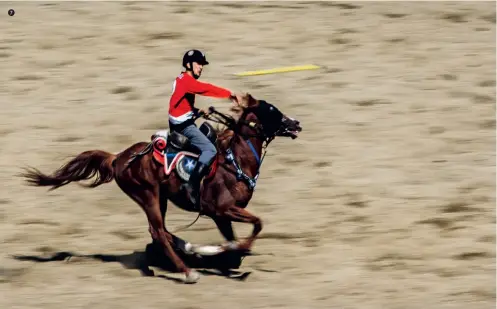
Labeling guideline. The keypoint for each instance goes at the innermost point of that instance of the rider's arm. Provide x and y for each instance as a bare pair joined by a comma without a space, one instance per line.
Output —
206,89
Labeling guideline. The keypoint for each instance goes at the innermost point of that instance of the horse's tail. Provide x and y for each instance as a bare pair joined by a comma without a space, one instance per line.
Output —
82,167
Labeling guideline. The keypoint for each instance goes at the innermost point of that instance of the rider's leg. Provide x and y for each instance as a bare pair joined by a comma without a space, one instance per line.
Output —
208,152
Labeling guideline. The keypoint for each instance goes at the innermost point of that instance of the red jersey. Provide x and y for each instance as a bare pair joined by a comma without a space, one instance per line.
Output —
185,87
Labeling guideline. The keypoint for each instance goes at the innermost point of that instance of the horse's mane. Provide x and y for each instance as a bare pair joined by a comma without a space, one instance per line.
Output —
225,134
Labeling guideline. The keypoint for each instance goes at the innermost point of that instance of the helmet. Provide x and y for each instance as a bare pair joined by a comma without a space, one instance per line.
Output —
194,55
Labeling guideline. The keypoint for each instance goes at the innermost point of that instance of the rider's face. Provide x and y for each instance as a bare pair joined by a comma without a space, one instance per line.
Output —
197,69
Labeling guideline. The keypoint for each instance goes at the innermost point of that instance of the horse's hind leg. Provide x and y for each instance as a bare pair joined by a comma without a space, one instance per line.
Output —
165,238
148,199
175,240
237,214
163,210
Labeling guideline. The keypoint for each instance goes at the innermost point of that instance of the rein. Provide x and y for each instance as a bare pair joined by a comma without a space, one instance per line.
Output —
230,123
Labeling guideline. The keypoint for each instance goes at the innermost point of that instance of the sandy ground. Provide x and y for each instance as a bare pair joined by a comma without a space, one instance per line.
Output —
387,200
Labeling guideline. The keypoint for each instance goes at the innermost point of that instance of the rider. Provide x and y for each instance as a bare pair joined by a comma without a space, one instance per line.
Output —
182,110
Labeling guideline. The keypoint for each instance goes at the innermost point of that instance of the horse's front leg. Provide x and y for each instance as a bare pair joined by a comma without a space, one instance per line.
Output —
237,214
225,228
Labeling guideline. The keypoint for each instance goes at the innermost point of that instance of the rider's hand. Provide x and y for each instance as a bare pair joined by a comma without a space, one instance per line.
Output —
233,98
236,99
202,112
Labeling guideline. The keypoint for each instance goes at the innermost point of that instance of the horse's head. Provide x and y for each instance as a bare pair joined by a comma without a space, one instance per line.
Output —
267,119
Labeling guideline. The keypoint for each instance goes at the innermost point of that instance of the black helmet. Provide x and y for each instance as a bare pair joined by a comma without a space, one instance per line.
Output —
194,55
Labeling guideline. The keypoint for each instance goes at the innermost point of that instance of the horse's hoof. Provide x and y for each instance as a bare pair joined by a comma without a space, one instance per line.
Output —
192,277
231,246
189,248
207,250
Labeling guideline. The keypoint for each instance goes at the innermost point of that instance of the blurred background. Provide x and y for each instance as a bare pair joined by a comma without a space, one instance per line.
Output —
386,200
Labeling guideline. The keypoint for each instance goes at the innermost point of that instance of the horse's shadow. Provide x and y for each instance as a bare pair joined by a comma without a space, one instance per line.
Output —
219,265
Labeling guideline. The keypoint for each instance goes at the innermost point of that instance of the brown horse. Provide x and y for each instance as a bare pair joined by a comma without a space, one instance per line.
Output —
144,171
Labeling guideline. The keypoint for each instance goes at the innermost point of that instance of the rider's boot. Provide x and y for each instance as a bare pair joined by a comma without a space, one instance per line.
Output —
192,187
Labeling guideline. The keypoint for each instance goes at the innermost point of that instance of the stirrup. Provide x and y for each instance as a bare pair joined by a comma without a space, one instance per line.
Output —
193,194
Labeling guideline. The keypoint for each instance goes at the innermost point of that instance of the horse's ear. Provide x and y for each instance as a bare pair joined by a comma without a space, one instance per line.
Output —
251,101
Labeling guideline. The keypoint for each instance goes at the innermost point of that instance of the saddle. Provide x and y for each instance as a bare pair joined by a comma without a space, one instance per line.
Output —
175,151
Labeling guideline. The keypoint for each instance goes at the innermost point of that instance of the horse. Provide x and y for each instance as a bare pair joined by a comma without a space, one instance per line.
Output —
151,173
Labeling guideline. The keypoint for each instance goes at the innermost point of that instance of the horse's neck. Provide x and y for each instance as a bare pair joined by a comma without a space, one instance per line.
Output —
245,156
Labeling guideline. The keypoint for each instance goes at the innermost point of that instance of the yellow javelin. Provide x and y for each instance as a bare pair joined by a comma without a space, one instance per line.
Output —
279,70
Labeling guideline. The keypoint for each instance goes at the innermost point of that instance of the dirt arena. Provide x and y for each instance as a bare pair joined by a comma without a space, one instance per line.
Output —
387,199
